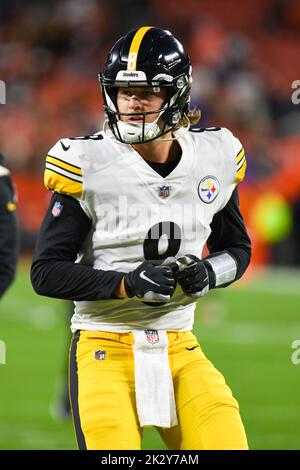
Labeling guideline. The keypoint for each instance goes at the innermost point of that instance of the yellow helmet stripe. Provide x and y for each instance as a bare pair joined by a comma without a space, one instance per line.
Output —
134,47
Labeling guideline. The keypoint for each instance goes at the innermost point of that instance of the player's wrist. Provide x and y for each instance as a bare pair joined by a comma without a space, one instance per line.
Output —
222,269
211,274
128,285
120,291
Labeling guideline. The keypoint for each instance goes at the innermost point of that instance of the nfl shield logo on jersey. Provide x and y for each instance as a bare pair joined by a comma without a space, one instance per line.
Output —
208,189
57,209
99,355
164,191
152,336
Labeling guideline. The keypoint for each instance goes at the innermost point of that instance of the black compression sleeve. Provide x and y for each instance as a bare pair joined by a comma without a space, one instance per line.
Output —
229,234
53,271
9,234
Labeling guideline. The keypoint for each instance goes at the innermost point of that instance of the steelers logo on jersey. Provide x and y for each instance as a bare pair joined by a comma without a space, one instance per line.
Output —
208,189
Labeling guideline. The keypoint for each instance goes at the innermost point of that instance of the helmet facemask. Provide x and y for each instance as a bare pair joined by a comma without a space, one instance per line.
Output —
167,118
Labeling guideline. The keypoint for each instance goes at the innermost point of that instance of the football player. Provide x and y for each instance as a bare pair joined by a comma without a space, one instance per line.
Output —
132,208
9,233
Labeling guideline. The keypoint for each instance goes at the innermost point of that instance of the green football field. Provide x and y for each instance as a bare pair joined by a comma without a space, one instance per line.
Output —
246,330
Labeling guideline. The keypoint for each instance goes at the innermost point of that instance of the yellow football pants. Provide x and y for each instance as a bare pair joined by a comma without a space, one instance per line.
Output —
103,396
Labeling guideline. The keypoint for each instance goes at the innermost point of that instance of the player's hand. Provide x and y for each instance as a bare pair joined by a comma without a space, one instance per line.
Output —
151,281
193,276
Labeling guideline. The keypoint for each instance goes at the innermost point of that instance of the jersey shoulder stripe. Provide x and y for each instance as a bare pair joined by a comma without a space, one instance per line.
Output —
66,173
241,165
62,184
236,152
63,172
76,170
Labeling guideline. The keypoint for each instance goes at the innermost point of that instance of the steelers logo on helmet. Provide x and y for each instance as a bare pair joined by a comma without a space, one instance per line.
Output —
146,57
208,189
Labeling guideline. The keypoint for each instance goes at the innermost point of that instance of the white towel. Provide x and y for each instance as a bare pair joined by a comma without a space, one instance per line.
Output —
154,390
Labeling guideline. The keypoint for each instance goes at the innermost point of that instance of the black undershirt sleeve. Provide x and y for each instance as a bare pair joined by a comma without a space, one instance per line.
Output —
229,234
54,272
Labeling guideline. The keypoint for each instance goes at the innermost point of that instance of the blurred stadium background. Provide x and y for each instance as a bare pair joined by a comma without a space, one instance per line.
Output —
245,59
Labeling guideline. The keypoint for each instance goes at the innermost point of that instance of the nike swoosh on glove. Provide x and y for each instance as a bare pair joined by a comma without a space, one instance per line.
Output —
193,276
151,281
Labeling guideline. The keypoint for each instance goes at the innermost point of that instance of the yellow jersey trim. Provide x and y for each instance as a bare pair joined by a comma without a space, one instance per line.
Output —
241,165
240,156
62,164
62,184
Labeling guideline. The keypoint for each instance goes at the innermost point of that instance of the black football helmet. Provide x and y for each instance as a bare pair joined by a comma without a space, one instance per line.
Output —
147,57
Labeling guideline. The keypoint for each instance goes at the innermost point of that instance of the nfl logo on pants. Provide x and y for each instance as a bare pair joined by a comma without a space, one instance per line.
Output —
99,355
152,336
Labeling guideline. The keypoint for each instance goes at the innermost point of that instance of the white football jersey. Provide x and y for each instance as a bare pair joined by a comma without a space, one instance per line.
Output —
137,214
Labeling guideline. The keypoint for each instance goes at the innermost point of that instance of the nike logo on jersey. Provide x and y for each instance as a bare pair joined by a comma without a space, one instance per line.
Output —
142,275
191,349
64,146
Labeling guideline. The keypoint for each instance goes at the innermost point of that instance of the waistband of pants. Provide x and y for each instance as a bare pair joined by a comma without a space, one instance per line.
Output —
127,338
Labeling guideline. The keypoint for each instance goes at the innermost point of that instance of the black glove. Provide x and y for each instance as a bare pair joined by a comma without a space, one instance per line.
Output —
193,276
150,281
